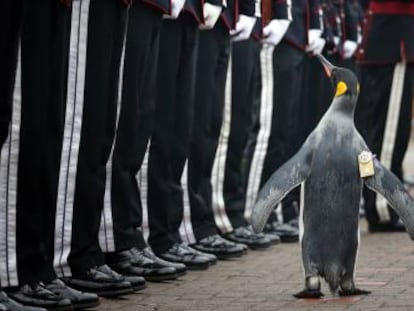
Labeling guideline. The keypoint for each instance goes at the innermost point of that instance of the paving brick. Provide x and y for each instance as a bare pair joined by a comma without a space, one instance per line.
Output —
265,280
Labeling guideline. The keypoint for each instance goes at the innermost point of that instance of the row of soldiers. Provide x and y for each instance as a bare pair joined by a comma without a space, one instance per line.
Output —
136,133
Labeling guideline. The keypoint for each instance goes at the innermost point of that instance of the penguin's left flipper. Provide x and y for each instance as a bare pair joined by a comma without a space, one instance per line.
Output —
392,189
287,177
353,292
309,293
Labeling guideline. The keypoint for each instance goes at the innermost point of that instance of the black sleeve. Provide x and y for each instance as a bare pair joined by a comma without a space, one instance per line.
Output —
315,12
282,9
351,20
215,2
247,7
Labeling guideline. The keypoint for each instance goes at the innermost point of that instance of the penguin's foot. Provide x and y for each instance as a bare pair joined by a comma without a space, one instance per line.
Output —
309,293
353,292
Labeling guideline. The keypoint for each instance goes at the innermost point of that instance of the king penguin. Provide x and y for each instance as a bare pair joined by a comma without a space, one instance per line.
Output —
331,179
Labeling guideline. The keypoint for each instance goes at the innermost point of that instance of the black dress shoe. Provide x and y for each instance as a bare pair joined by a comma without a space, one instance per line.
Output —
273,237
246,236
37,295
184,254
386,227
220,247
294,223
8,304
180,268
286,232
137,282
101,281
133,262
79,300
212,259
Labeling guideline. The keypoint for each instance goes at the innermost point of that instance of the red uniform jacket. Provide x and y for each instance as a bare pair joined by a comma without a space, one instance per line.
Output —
388,32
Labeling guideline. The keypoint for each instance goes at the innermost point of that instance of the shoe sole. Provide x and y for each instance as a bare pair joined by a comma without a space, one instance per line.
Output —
182,273
259,247
276,242
57,308
86,305
198,267
161,278
63,308
230,256
115,293
289,239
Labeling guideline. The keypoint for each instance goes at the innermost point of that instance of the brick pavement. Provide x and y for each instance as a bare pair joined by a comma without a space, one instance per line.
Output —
265,280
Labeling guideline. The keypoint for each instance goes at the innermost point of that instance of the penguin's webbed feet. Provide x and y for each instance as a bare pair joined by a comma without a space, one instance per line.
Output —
353,292
309,293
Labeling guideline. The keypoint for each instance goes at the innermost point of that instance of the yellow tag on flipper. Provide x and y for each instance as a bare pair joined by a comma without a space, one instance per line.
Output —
366,164
341,88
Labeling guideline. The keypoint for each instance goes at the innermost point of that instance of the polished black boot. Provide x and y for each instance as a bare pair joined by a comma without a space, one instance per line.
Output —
182,253
180,268
37,295
79,300
101,281
246,236
220,247
8,304
134,262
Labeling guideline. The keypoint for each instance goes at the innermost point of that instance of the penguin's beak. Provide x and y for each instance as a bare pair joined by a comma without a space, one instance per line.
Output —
326,65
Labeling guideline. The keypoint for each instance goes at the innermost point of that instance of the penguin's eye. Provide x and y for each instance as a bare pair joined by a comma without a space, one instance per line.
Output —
341,88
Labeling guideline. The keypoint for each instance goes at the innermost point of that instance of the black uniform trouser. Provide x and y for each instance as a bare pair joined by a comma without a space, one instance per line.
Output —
290,83
245,91
135,122
44,51
10,23
10,26
172,130
105,40
374,112
212,64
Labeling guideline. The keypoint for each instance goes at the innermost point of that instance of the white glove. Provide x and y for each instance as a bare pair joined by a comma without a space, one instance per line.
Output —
317,46
211,15
316,43
176,8
349,48
313,34
275,30
243,29
336,40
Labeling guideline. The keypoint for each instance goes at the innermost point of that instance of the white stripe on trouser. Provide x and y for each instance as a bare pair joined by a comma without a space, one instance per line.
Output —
186,227
142,181
106,230
258,8
8,189
71,136
390,132
219,167
289,9
301,223
301,211
266,112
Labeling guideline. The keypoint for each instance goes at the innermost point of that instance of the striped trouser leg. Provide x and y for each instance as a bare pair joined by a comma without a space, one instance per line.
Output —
71,136
266,112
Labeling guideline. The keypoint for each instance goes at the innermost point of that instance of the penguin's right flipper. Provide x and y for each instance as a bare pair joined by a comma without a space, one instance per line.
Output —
353,292
287,177
391,188
309,293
